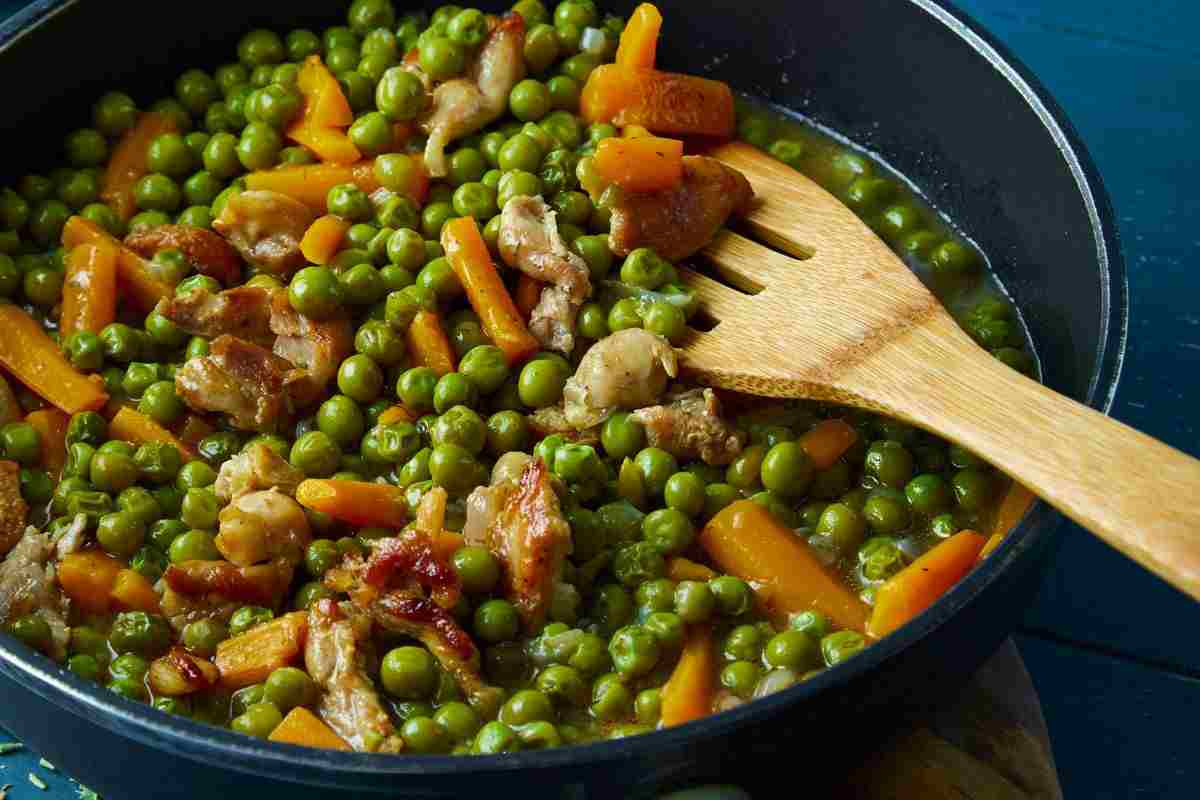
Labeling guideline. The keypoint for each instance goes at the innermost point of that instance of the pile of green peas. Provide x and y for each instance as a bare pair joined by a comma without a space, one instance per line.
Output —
597,667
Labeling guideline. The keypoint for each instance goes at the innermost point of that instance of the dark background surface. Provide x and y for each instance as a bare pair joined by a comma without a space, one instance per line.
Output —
1113,651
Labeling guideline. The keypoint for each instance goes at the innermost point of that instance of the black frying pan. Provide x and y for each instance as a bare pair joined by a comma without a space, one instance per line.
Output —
911,79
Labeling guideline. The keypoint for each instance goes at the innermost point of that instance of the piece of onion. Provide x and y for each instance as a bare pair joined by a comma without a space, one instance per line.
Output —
594,41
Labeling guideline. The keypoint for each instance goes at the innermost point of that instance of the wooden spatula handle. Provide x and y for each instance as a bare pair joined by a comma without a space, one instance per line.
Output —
1132,491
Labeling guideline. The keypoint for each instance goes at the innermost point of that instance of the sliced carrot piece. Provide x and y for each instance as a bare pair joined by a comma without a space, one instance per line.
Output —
359,503
88,578
51,425
688,693
133,274
472,263
304,728
827,441
329,144
683,569
325,105
89,297
324,238
132,591
744,539
647,164
127,165
249,658
918,586
663,102
35,360
130,425
396,413
639,41
429,345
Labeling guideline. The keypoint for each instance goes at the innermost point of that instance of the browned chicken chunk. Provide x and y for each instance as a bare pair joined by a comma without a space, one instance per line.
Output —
220,582
240,379
209,253
677,223
263,526
256,467
244,312
335,658
464,105
266,228
690,426
182,609
13,508
522,523
28,586
529,241
316,348
628,369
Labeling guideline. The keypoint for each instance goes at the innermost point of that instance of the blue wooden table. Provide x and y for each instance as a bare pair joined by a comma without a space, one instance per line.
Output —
1113,651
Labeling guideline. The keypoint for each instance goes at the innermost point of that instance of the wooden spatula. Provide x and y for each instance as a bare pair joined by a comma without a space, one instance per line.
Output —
843,319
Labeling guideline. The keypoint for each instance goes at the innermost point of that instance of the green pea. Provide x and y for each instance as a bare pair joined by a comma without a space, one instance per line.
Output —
668,530
745,643
880,558
415,388
694,601
953,261
541,47
203,635
733,595
496,737
611,607
657,467
195,475
611,699
973,488
258,720
839,646
477,568
667,628
496,621
138,632
195,545
841,527
741,677
792,649
21,443
248,617
886,511
890,463
541,383
289,687
441,58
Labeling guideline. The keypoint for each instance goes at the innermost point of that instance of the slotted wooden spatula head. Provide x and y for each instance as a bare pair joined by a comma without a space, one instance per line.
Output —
814,311
828,311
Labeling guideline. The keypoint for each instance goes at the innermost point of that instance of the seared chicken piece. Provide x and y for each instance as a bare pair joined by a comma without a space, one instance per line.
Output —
13,508
335,659
28,585
529,241
181,609
628,369
266,228
522,524
553,420
256,467
240,379
209,253
315,348
180,673
464,105
220,582
679,222
263,526
690,426
73,538
244,312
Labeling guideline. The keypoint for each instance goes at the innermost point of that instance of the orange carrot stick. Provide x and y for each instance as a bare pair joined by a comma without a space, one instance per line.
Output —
429,345
646,164
35,360
396,413
132,591
745,540
127,164
688,693
310,183
130,425
528,295
472,263
331,145
663,102
356,502
323,238
325,105
250,657
134,278
918,586
89,297
88,578
51,425
683,569
639,40
827,441
305,728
